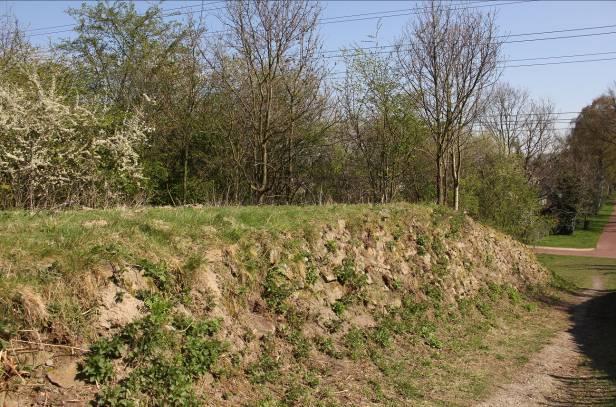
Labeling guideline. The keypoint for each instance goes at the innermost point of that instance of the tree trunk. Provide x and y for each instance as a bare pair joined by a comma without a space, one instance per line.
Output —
264,174
456,164
440,196
185,186
289,186
445,181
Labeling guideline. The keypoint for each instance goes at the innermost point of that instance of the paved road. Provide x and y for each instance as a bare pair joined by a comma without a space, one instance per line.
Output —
606,247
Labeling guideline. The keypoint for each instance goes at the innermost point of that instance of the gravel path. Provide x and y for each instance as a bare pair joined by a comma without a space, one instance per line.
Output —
578,367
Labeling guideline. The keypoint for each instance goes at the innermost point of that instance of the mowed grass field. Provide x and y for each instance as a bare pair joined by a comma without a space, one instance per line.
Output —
582,239
581,270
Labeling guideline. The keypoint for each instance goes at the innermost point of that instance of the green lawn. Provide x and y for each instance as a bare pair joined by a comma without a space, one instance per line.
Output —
581,238
580,270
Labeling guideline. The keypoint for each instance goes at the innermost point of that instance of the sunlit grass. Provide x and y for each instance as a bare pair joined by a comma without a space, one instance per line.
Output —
581,238
581,270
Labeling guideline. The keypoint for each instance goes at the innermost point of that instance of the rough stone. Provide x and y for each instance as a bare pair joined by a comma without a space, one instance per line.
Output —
260,325
363,321
115,313
7,400
33,359
328,275
207,279
333,293
134,280
64,376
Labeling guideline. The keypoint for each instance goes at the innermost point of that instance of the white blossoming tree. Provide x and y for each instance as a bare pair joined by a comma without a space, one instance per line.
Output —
56,153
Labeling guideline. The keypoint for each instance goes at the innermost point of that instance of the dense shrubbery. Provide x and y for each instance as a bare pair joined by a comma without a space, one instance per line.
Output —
71,135
55,152
498,193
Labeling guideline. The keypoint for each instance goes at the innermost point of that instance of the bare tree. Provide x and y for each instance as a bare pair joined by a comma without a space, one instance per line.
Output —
520,126
14,47
506,117
538,134
267,67
450,59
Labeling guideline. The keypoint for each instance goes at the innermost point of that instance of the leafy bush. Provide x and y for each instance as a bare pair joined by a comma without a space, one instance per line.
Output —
265,370
500,195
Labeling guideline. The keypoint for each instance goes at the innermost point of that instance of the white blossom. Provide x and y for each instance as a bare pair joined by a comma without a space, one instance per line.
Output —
57,153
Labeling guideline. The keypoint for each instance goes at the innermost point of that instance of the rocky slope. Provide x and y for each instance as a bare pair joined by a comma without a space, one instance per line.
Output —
231,312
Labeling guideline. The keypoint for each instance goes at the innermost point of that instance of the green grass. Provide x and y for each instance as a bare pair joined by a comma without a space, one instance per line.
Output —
61,255
76,240
581,270
426,353
582,239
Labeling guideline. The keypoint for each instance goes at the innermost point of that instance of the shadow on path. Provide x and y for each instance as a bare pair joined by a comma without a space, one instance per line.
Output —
594,332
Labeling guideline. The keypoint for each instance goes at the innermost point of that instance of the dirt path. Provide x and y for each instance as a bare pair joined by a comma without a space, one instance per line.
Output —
606,246
578,367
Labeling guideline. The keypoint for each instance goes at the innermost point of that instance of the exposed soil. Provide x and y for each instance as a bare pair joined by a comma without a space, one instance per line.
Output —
578,368
309,315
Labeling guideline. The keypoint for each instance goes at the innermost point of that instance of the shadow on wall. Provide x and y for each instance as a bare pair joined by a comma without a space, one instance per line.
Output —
594,331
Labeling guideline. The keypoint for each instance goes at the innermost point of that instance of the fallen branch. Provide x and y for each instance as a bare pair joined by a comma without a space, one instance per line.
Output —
72,348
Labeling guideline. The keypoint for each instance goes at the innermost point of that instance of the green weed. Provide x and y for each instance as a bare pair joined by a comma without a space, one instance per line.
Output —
382,336
331,246
326,346
157,272
421,242
355,341
339,306
166,362
301,345
347,275
265,370
276,290
428,334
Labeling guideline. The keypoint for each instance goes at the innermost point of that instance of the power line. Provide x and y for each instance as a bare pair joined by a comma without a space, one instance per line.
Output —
338,19
341,75
552,113
562,56
53,27
512,60
219,8
598,27
559,37
521,121
504,42
504,62
414,11
379,12
561,62
175,14
516,60
512,35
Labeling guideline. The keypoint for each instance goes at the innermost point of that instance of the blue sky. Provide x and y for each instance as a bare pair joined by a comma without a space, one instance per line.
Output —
569,86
